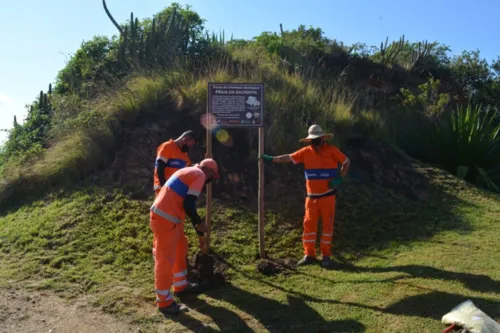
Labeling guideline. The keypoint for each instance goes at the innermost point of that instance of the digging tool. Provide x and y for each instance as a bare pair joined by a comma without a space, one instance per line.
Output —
204,262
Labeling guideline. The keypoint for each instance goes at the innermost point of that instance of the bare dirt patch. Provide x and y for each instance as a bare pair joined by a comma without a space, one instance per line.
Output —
23,311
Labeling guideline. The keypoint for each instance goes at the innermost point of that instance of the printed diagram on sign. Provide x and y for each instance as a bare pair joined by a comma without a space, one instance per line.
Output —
253,101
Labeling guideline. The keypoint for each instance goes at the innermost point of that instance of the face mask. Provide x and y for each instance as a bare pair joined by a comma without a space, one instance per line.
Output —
317,142
185,148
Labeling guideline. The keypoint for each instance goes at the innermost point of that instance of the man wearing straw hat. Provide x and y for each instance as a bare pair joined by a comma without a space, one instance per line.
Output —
322,162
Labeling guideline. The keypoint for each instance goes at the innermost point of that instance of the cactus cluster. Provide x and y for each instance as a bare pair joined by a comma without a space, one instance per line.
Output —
388,54
215,39
44,105
423,50
166,38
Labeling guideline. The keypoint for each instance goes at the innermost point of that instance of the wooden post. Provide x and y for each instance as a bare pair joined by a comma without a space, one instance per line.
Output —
262,246
209,191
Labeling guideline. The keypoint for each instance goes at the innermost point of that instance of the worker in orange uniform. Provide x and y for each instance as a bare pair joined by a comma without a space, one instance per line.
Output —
176,199
171,156
321,165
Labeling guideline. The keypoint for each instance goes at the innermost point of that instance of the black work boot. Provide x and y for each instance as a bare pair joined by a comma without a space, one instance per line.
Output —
327,262
173,309
192,288
307,260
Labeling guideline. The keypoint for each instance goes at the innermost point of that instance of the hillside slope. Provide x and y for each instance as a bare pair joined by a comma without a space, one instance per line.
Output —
412,242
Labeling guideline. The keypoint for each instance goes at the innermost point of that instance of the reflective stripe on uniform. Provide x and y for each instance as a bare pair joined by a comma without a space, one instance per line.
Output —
164,293
194,192
320,174
180,274
168,298
176,163
165,215
180,283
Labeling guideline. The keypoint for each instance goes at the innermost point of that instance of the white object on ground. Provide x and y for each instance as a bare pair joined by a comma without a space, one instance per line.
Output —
467,315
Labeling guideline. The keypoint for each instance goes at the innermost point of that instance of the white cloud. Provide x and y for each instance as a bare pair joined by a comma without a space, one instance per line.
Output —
5,100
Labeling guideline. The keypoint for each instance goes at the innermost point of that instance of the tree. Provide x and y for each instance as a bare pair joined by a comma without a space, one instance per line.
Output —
470,71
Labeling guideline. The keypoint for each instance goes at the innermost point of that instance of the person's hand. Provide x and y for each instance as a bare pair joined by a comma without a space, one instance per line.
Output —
335,182
267,159
202,227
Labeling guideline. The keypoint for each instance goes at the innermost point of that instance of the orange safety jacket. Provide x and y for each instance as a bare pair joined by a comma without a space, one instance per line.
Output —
319,167
169,201
173,157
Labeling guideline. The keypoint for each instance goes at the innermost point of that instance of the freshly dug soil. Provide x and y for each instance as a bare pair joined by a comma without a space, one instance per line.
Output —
278,266
208,270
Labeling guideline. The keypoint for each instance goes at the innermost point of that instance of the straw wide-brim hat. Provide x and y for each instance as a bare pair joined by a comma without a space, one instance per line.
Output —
314,132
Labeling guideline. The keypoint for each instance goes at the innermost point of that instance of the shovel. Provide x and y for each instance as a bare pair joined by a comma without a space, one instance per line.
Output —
204,263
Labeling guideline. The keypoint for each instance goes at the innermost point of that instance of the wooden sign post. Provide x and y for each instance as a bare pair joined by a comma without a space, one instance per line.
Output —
236,105
206,250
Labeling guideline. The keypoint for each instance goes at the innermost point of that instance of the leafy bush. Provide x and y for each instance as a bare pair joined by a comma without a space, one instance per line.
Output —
467,144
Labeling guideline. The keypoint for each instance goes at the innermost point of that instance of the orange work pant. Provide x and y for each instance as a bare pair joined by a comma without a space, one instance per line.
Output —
314,209
154,245
170,255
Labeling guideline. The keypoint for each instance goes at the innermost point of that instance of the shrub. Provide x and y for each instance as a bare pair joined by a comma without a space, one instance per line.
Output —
467,144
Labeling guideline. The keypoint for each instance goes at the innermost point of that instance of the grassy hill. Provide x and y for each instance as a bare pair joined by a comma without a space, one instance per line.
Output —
411,240
402,265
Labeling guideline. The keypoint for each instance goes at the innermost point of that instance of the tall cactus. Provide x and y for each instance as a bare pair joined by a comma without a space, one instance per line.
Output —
388,54
423,50
159,45
135,58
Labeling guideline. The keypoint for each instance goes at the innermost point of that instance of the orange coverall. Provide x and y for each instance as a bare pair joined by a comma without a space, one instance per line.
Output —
167,217
169,153
319,167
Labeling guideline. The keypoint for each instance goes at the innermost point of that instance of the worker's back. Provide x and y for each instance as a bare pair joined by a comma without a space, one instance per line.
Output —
169,202
173,158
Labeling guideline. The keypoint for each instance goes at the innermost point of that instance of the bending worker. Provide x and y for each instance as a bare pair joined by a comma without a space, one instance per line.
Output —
171,156
167,214
321,163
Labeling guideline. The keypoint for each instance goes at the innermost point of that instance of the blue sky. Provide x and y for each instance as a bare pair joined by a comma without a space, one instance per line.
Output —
38,36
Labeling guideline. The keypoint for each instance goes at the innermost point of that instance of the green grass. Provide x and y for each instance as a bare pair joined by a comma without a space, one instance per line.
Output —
409,263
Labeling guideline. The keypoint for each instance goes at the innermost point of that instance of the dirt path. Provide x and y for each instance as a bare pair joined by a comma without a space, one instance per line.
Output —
21,311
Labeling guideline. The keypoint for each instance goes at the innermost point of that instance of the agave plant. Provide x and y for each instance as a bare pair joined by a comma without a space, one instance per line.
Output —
467,144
